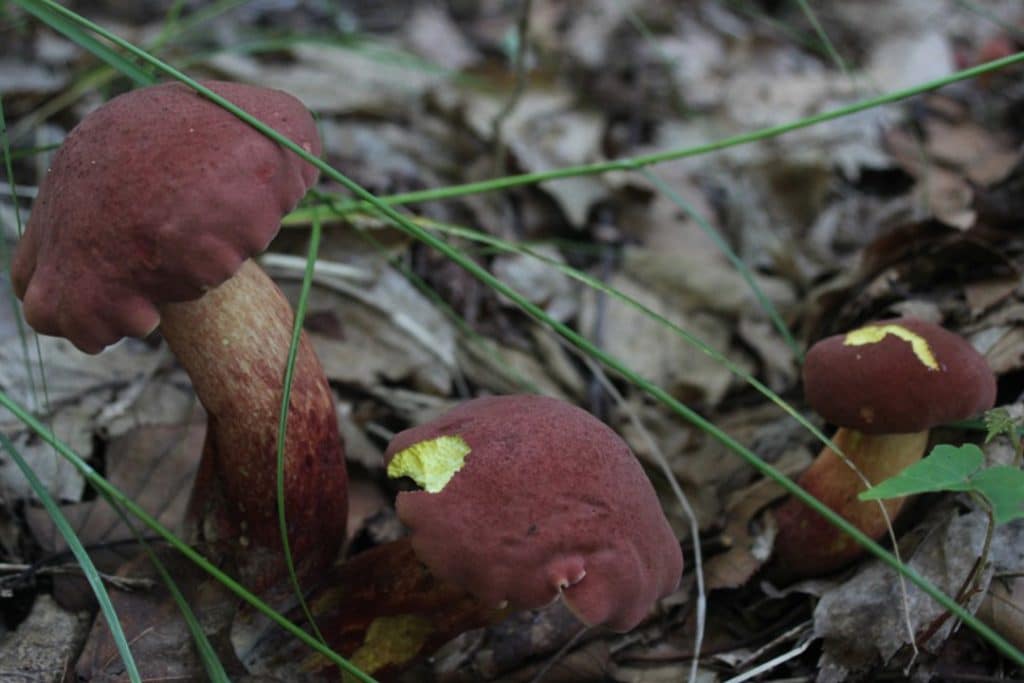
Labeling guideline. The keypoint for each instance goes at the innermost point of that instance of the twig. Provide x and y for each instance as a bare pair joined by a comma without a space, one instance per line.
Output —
296,264
772,663
1018,447
774,642
122,582
971,584
562,651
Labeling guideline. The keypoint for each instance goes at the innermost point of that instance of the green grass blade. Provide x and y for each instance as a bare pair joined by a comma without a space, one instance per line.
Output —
24,153
343,205
207,655
61,23
118,497
982,11
204,648
104,74
766,304
282,427
689,338
92,576
5,256
826,43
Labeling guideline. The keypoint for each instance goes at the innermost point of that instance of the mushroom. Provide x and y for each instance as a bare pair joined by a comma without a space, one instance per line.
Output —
884,385
148,216
525,500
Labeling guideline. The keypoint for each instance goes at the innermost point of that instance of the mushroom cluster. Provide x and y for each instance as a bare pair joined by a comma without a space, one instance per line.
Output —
149,217
884,385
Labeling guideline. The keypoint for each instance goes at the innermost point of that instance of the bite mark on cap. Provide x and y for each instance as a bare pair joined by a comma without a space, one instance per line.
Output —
431,463
872,334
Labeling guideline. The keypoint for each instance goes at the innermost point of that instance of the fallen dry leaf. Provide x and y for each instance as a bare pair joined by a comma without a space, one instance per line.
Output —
541,282
748,535
384,330
160,640
501,369
1003,609
982,295
532,638
373,83
1007,353
862,621
431,33
544,131
20,77
653,350
154,465
900,61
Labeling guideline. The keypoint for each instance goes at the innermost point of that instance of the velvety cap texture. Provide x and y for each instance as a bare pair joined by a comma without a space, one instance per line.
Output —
897,376
156,197
548,500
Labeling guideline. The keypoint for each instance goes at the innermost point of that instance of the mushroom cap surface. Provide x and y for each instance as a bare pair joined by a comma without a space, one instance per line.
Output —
548,500
897,376
156,197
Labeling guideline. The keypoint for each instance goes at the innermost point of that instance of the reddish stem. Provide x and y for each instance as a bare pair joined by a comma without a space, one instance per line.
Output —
234,342
806,544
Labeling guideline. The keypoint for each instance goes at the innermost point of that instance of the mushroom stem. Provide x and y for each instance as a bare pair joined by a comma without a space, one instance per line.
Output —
233,342
806,544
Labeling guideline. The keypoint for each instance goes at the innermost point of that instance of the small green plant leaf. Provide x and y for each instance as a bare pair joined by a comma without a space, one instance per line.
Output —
997,423
958,468
1003,486
946,468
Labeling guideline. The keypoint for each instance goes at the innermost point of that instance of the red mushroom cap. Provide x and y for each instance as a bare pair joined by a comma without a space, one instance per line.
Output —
548,500
156,197
897,376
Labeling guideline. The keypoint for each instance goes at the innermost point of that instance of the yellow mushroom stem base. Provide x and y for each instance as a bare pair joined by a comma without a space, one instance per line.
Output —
385,611
806,544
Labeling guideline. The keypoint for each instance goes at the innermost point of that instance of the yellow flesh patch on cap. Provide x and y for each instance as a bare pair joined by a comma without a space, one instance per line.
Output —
872,334
431,464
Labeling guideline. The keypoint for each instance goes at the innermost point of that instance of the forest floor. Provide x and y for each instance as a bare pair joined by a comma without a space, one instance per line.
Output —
682,186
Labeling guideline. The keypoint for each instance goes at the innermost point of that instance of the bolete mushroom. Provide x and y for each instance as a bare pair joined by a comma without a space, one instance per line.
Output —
884,385
148,216
525,500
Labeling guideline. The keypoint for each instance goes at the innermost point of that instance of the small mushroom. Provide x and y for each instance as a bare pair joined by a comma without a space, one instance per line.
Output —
148,216
884,385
